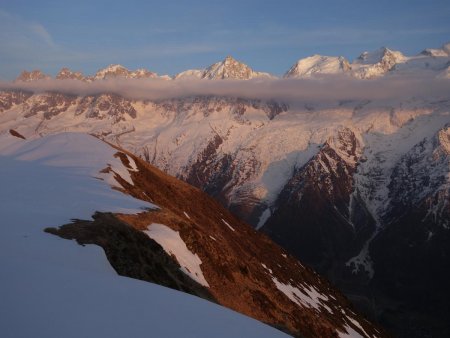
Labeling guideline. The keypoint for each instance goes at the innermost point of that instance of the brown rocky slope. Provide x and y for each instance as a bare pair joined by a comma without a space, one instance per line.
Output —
244,269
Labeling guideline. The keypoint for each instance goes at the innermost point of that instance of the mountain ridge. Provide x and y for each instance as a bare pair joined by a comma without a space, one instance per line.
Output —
367,66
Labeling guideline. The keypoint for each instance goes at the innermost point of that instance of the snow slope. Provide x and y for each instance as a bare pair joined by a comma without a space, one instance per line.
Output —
52,287
318,64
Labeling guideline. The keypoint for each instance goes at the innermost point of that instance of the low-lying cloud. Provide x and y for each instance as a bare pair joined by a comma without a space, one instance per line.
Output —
330,88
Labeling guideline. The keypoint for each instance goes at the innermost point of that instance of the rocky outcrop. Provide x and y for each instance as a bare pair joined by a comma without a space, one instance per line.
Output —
244,269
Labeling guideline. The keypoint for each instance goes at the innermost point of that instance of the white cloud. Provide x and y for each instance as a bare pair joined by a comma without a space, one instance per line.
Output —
329,88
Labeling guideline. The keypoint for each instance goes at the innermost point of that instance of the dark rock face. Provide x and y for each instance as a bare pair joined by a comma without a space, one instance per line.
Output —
10,98
321,219
50,105
107,106
210,171
312,217
131,252
411,253
411,261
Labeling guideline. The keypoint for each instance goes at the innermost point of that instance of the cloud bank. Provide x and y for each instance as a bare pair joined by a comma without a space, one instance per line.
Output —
325,89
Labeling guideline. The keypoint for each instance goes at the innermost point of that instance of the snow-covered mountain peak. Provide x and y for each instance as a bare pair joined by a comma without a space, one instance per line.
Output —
379,55
229,68
120,71
112,71
377,63
434,52
32,76
142,73
190,73
318,64
66,73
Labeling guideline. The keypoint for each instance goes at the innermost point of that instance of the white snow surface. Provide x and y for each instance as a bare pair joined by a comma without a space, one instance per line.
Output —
318,64
51,287
264,152
173,244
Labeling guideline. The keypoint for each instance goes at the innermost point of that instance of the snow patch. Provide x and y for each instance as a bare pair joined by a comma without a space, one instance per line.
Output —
173,244
263,218
350,333
132,164
308,296
229,226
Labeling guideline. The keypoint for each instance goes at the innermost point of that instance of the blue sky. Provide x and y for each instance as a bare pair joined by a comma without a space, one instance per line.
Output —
171,36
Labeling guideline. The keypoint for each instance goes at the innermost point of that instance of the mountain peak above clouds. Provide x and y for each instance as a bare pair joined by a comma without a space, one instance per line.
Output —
318,64
376,63
228,68
66,73
369,65
117,70
444,51
36,74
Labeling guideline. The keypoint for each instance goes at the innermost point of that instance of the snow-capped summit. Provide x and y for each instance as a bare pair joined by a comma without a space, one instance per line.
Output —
190,73
379,55
229,68
434,52
374,64
32,76
444,51
318,64
66,73
112,71
121,71
142,73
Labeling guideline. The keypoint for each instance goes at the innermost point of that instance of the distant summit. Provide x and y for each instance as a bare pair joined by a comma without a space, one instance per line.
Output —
229,68
318,64
32,76
120,71
66,73
368,65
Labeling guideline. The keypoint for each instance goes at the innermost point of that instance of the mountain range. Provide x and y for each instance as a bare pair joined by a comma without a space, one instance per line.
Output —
357,189
381,62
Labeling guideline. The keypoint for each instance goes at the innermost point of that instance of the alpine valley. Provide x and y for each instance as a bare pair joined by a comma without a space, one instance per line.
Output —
356,188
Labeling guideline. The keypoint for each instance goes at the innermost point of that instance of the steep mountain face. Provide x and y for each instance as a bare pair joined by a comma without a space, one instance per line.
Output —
416,237
316,215
187,241
229,68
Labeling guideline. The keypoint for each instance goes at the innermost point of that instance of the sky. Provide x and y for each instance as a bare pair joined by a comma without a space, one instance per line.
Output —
168,37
